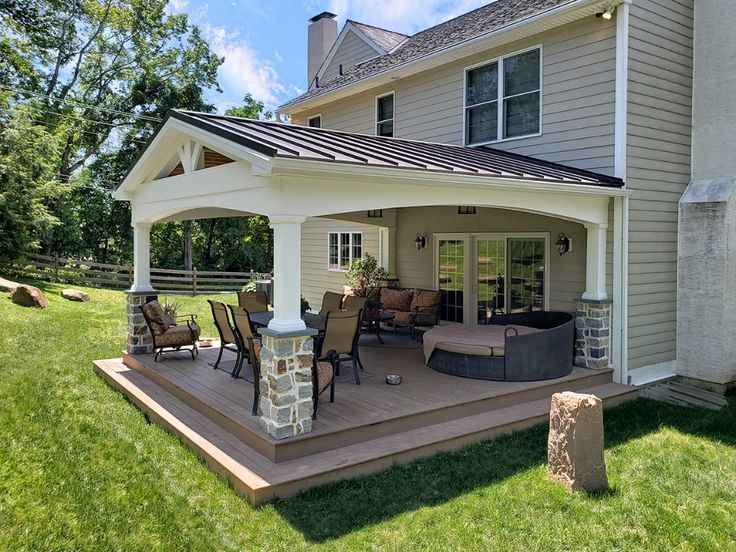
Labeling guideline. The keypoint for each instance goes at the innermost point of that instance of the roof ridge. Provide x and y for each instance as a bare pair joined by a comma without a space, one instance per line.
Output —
360,23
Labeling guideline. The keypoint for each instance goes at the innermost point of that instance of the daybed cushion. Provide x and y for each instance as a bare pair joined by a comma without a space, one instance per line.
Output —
475,338
396,300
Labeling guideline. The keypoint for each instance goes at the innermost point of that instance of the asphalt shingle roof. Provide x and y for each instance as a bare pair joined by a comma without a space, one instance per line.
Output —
388,40
450,33
318,144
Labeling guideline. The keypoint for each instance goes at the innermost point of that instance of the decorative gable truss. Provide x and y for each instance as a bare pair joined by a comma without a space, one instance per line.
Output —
193,156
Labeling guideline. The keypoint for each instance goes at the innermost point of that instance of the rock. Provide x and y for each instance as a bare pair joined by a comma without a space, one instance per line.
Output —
29,296
75,295
575,445
7,285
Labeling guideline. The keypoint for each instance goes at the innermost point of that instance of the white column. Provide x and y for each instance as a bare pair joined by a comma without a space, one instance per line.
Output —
141,256
287,273
595,263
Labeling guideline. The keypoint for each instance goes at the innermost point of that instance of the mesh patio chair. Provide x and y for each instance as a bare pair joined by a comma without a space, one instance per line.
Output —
353,303
253,301
342,329
254,353
169,336
243,330
331,301
324,369
228,340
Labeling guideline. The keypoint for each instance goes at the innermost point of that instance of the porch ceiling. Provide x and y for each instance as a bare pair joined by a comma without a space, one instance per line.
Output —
278,140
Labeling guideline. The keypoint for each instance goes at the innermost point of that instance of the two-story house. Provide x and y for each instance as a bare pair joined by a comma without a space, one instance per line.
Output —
525,155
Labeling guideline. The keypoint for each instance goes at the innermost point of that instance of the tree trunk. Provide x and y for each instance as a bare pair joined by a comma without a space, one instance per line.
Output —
208,249
187,231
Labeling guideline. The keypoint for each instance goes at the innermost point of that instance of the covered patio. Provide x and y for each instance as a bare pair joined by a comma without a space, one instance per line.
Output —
205,166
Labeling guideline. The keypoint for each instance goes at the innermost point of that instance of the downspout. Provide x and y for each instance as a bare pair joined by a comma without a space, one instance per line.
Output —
621,205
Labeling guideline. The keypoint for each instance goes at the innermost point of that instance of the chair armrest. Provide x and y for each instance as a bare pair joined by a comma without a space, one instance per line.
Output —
330,356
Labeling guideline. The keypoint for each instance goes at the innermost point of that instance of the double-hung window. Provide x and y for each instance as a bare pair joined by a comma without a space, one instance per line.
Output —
385,115
502,98
343,248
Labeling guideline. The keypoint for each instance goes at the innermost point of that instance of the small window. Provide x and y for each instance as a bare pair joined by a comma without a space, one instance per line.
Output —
315,121
502,98
385,115
343,248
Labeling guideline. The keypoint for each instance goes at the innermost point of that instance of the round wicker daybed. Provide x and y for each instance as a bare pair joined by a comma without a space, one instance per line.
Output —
525,346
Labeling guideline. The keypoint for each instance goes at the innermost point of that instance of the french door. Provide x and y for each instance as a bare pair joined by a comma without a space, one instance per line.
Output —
479,274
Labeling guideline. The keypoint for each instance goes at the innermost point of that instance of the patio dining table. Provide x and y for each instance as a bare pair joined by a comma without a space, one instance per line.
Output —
314,321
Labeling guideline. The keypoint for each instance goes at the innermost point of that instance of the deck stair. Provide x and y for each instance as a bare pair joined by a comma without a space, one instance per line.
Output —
683,394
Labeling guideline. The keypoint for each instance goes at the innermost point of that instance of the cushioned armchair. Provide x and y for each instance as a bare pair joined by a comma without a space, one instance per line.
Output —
168,337
411,308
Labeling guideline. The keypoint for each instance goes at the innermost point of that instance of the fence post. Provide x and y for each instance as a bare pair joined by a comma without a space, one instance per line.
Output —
56,267
194,281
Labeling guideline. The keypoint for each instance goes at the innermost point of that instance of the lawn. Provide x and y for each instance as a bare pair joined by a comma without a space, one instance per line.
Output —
81,468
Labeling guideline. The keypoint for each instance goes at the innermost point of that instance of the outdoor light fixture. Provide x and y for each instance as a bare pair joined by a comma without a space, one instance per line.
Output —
563,244
606,14
375,213
465,210
420,241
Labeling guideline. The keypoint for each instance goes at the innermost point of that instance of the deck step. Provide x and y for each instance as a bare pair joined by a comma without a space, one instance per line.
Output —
259,479
682,394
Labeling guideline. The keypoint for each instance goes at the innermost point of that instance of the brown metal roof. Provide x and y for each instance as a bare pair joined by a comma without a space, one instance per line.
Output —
317,144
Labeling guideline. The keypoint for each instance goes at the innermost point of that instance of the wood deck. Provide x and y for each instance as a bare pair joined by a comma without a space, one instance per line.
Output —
369,427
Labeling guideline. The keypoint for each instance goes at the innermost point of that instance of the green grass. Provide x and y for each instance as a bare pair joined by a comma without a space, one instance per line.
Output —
80,468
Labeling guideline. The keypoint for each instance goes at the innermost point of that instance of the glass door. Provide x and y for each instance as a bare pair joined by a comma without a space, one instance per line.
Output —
490,271
451,278
526,269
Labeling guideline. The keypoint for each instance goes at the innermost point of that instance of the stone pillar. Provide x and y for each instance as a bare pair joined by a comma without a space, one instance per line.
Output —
139,337
575,444
592,333
286,382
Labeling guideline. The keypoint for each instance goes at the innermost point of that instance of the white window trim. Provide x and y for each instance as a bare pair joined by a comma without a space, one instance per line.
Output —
501,98
339,242
317,116
469,277
375,113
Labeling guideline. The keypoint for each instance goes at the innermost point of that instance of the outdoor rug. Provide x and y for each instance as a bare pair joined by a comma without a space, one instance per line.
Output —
246,373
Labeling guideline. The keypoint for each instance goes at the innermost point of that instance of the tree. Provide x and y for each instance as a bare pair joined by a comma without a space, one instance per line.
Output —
251,109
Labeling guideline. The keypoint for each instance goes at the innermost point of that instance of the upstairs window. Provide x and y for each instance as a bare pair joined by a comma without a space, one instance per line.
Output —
315,121
385,115
343,248
502,98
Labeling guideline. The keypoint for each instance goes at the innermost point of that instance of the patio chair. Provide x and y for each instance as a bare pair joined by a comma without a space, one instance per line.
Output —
324,369
243,330
253,301
353,303
342,329
167,335
331,301
228,340
254,354
423,312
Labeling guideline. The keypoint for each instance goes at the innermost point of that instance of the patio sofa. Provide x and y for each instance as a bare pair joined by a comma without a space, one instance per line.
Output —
525,346
411,307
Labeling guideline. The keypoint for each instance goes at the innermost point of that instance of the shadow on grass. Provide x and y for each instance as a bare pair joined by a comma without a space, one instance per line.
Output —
336,509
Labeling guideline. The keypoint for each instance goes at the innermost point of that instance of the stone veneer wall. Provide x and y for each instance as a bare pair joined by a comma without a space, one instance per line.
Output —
286,384
592,333
139,337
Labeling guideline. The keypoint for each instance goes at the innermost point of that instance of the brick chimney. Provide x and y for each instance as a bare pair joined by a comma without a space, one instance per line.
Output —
320,38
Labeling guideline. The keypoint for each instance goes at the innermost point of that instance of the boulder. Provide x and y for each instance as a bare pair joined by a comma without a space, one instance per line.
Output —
75,295
7,285
29,296
575,445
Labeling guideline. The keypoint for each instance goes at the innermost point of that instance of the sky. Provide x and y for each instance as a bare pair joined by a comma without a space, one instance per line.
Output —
264,42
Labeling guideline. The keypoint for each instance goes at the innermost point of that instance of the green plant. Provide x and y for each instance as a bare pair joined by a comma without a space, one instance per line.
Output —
304,305
250,287
171,307
364,274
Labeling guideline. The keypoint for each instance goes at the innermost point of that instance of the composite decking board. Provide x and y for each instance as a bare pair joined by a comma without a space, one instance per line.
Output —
255,476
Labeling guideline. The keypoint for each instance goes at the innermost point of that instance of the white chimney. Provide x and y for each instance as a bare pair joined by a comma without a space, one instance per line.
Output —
320,38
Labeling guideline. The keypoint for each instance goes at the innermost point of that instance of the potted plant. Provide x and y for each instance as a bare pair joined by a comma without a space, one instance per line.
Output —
171,309
304,305
363,276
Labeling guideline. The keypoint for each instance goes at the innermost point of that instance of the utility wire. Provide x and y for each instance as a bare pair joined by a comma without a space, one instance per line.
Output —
88,106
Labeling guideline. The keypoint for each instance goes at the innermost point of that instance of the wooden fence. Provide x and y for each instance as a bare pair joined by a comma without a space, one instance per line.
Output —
193,282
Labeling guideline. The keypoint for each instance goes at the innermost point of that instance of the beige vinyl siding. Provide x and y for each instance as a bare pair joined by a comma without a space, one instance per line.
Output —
316,278
658,170
352,50
416,268
578,82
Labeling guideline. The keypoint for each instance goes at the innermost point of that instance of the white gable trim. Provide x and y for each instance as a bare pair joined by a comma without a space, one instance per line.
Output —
349,27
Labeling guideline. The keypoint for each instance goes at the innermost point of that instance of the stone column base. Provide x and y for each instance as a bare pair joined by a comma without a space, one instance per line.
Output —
286,383
592,333
139,337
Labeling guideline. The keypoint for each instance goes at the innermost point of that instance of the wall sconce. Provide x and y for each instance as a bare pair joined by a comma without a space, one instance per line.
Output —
465,210
563,244
375,213
420,241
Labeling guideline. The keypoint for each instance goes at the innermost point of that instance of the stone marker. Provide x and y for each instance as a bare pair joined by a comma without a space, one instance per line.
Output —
575,445
29,296
7,285
75,295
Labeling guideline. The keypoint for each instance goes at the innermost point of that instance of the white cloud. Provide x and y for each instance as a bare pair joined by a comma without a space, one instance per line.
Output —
177,6
405,16
243,71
